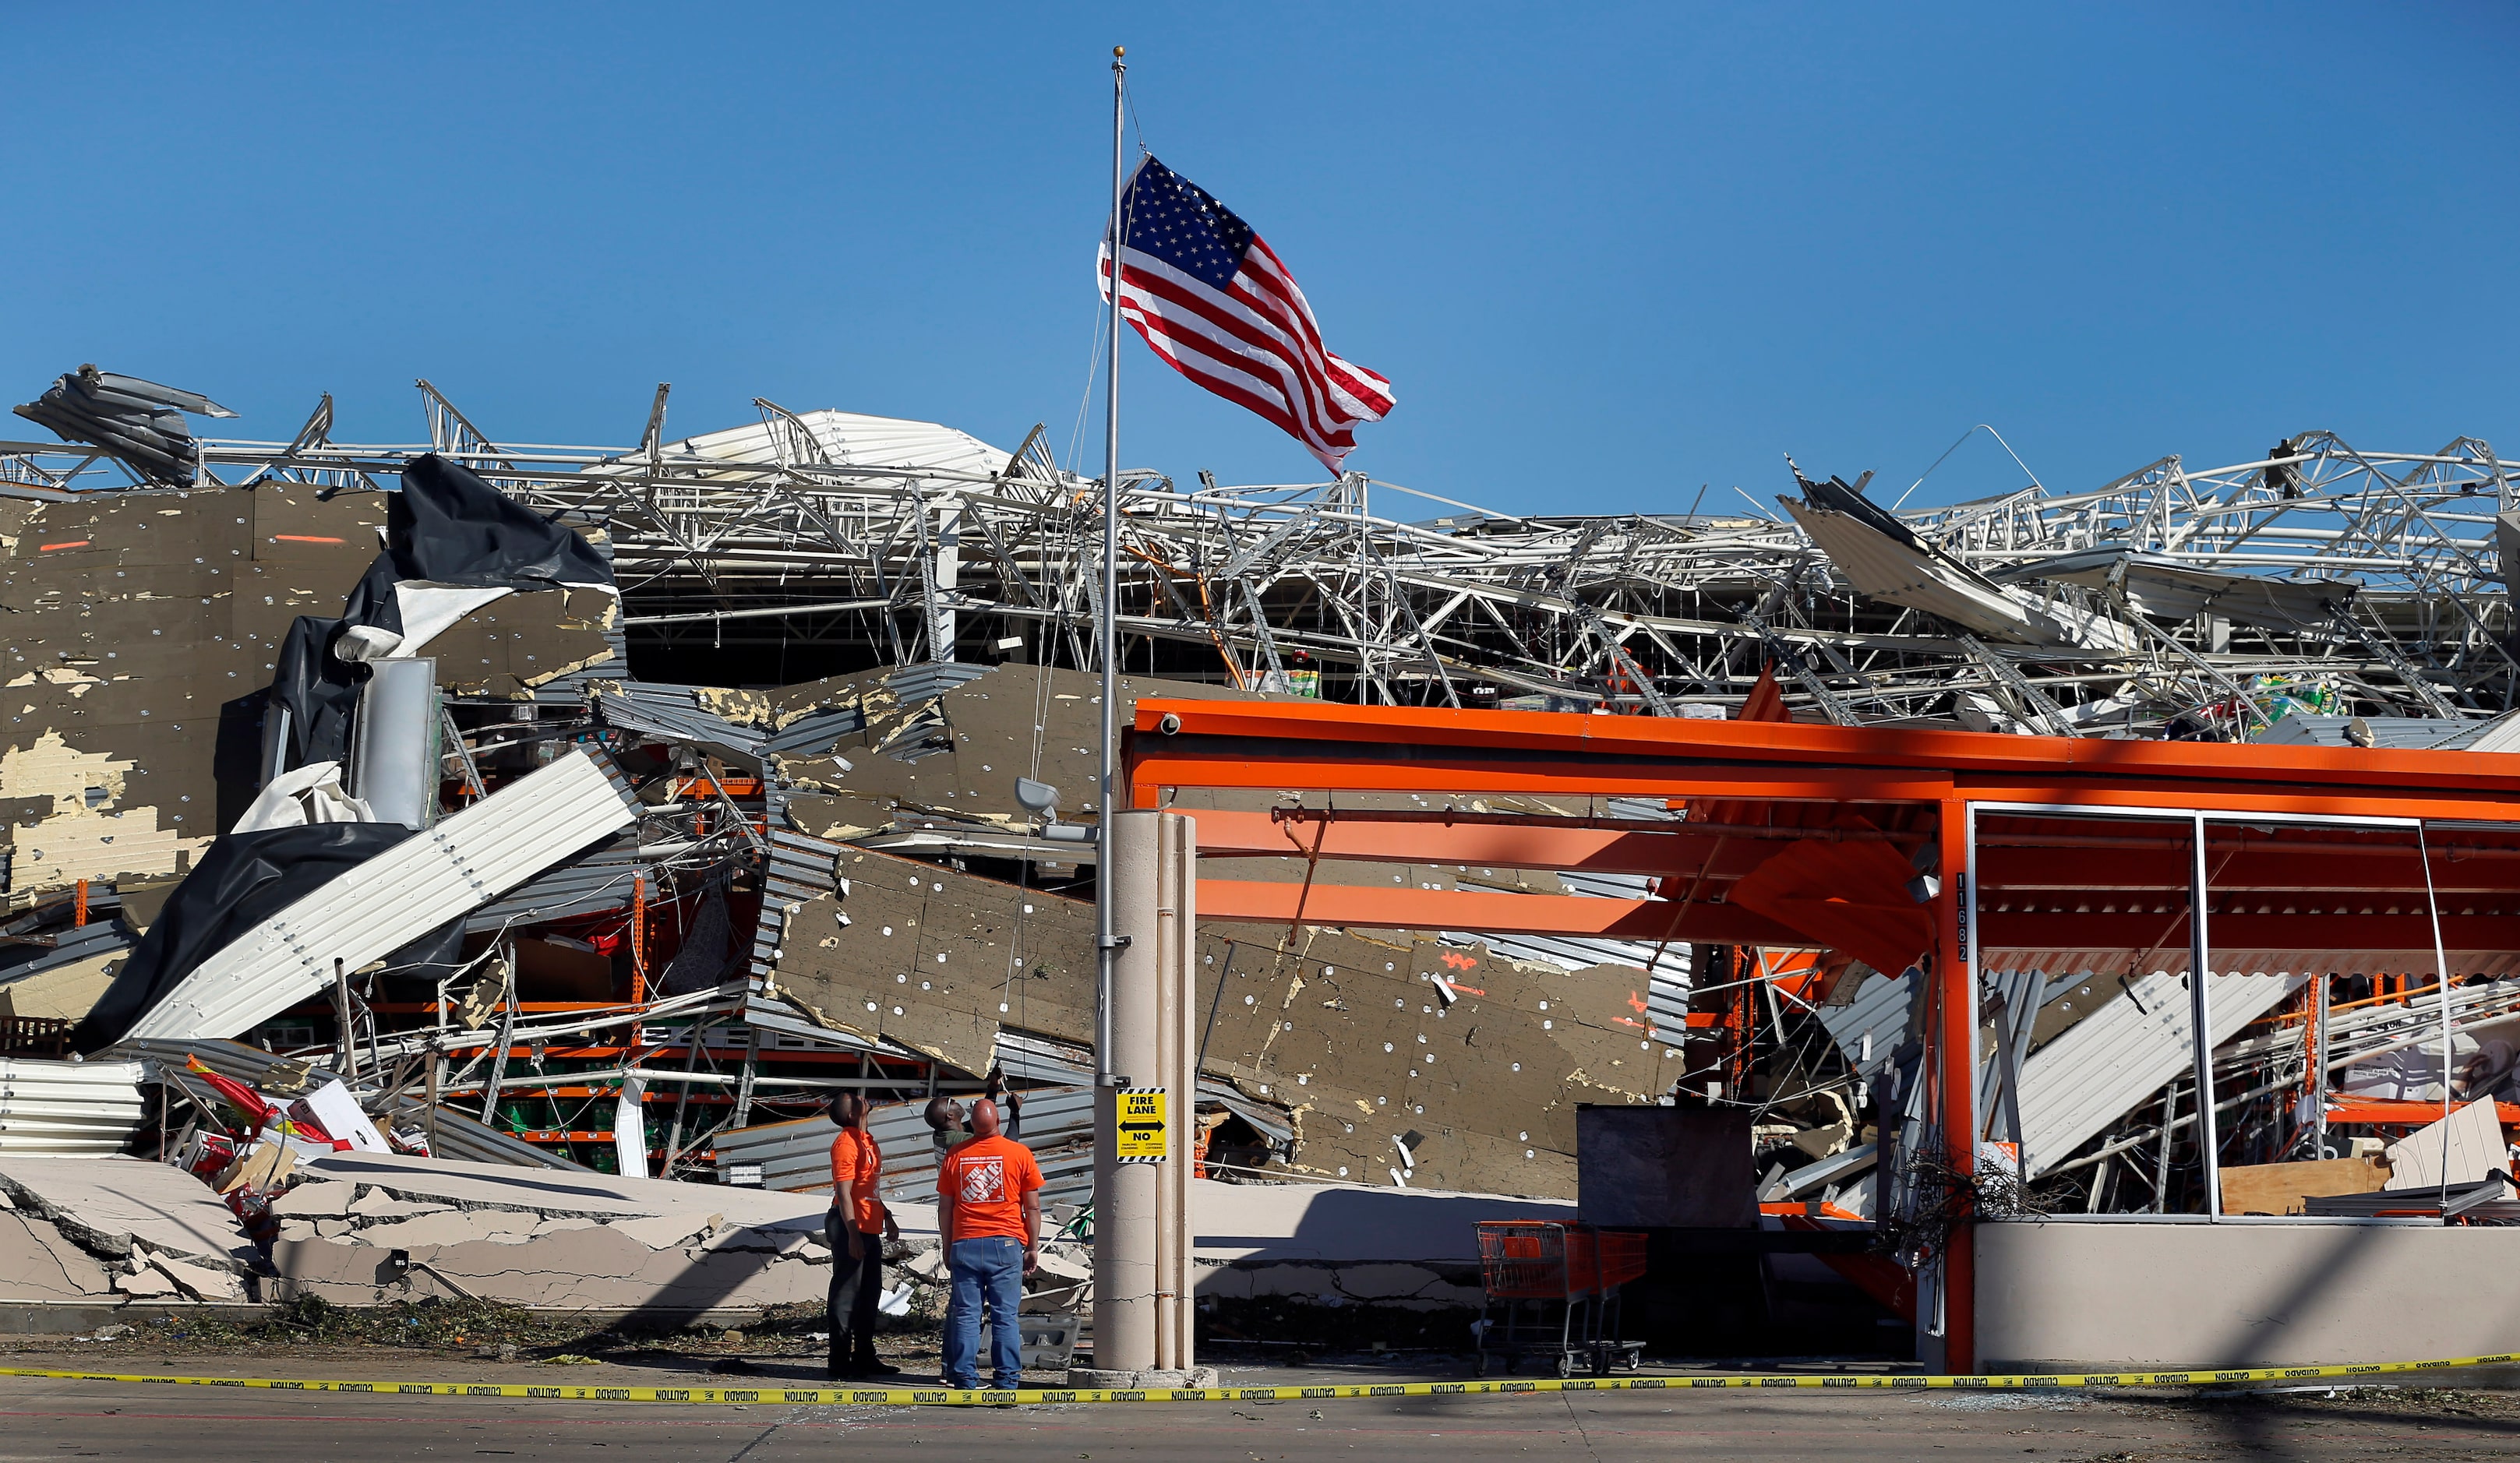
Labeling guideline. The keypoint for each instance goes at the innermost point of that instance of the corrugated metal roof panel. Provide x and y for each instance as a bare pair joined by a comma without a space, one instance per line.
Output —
605,879
2172,590
773,1015
816,731
71,945
675,713
1880,1009
396,897
2404,732
68,1109
1882,568
1057,1127
2075,1086
851,439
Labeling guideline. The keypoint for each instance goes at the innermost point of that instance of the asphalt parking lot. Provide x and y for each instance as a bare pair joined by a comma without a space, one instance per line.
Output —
51,1419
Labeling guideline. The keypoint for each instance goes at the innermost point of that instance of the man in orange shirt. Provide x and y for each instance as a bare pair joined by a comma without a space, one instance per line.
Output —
988,1210
856,1227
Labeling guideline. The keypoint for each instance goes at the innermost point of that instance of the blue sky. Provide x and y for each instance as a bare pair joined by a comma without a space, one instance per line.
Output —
1606,254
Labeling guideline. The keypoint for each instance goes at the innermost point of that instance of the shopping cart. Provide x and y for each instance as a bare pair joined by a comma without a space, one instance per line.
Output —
1552,1290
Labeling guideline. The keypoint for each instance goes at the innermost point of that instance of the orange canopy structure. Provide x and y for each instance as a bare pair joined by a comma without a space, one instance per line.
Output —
1857,840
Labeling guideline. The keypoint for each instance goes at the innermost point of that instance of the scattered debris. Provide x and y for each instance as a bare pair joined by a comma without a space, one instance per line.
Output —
446,853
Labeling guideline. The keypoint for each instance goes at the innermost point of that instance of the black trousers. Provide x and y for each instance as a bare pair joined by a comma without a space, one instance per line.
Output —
856,1286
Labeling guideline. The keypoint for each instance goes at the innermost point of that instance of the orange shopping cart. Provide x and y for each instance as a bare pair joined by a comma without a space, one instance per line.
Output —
1552,1289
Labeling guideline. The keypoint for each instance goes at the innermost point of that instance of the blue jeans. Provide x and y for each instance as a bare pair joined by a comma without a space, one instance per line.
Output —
991,1266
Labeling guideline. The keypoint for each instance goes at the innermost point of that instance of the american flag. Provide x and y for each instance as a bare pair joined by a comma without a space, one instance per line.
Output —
1216,302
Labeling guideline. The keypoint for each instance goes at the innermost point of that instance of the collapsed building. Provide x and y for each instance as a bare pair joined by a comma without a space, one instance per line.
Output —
613,807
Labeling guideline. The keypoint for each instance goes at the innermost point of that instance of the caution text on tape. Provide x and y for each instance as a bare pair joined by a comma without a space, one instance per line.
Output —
953,1397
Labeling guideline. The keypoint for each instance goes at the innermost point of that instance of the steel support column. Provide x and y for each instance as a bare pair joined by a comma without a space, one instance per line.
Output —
1953,1039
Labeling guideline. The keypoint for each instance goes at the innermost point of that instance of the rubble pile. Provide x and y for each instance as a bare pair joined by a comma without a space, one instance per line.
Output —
116,1230
358,1229
432,851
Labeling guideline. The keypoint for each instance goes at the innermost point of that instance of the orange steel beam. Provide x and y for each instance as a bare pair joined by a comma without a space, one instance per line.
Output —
2360,871
1360,838
2030,929
1951,1030
1277,729
2408,1114
2450,802
1156,766
1365,906
1155,769
1363,836
705,788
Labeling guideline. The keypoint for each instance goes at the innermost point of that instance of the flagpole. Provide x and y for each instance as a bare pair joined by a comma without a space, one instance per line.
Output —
1106,641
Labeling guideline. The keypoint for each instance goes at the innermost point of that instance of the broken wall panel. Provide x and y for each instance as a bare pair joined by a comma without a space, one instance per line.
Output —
67,820
137,621
1348,1031
63,991
509,648
1366,1051
961,750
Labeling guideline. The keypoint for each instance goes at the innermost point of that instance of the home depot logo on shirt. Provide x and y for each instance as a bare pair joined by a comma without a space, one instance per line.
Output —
983,1181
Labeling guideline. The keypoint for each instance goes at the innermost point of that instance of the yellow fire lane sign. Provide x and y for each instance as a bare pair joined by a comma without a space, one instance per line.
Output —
1139,1120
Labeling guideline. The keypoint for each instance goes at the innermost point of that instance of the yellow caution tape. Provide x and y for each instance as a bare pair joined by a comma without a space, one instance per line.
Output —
951,1396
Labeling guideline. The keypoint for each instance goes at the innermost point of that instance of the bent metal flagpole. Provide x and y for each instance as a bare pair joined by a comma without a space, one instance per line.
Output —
1106,641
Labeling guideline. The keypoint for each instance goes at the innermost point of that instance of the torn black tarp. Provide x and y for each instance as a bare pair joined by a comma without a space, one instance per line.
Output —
313,694
447,526
314,691
241,881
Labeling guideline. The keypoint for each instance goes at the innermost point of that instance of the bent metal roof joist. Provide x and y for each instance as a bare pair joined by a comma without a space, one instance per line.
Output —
2205,598
410,889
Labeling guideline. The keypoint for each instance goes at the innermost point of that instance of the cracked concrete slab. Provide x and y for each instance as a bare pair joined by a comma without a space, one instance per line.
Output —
449,1227
593,1267
37,1264
667,1232
311,1201
1405,1287
377,1204
110,1205
150,1284
544,1239
199,1283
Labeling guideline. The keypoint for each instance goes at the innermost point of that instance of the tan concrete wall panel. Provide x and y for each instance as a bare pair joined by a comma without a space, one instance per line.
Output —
2078,1294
